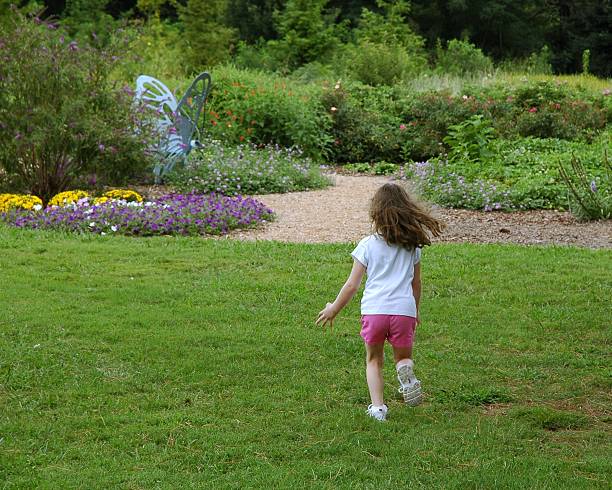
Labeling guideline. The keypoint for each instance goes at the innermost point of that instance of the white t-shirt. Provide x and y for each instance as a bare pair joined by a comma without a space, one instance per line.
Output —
390,270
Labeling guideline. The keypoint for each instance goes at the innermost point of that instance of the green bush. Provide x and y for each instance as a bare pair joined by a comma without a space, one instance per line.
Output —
461,58
537,63
206,39
542,110
248,106
246,169
425,119
385,168
469,140
553,110
364,127
305,33
61,118
359,168
375,63
386,50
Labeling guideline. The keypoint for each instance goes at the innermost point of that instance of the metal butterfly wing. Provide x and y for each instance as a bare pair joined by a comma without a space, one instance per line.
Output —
178,121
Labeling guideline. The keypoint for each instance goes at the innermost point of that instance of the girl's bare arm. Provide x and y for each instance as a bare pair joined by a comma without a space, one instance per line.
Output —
351,286
416,287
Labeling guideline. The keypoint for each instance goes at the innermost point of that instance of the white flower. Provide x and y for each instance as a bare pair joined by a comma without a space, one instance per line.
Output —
92,224
37,207
102,233
114,228
465,97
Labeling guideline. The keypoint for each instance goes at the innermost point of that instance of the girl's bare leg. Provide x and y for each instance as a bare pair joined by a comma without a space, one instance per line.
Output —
401,354
374,374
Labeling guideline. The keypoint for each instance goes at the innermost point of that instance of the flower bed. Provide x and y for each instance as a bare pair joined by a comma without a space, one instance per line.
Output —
247,170
172,214
450,189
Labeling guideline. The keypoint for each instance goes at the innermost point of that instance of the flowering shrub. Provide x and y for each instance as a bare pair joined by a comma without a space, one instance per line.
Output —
522,174
247,170
447,188
19,201
263,109
172,214
364,127
543,110
61,115
67,197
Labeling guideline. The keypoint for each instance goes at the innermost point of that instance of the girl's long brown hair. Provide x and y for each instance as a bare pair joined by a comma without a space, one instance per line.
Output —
400,220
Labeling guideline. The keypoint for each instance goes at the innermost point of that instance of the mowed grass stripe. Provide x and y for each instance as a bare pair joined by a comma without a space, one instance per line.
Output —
190,363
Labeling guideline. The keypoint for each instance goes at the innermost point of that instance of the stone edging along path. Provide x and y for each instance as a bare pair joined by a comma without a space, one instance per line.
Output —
340,214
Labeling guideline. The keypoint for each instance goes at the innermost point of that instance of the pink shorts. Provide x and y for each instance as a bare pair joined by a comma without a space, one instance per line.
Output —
397,329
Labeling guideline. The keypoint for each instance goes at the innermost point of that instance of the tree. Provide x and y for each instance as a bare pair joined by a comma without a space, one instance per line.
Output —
207,39
254,18
306,32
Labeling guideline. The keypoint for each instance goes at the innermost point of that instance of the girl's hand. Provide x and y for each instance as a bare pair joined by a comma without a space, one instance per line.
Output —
327,315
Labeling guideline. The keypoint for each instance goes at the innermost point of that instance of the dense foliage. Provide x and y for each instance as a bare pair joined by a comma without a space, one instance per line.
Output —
521,174
247,170
307,30
61,117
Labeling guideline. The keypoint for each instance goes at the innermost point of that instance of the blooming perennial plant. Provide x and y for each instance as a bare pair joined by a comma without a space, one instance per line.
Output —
450,189
172,214
19,201
247,170
120,194
67,197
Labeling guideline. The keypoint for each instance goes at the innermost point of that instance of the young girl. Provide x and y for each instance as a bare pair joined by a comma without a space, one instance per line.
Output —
390,303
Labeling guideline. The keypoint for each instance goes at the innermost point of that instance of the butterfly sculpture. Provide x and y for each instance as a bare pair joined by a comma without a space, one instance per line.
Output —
178,121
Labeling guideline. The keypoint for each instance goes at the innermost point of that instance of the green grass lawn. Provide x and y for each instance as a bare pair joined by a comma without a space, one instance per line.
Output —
191,363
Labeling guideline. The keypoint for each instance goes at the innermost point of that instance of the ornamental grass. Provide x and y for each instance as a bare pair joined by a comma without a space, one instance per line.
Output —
172,214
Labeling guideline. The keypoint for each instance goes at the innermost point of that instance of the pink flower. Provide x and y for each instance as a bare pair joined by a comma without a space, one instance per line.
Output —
533,109
402,127
606,91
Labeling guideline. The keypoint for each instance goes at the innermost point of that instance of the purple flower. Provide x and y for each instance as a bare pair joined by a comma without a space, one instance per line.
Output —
73,46
593,186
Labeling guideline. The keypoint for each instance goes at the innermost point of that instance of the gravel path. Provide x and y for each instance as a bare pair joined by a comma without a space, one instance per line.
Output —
340,214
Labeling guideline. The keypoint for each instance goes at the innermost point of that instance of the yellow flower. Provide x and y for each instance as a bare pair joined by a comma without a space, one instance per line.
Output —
19,201
122,194
67,197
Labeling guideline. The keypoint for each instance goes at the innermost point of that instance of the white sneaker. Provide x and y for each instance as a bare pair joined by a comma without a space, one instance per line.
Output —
379,413
410,386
